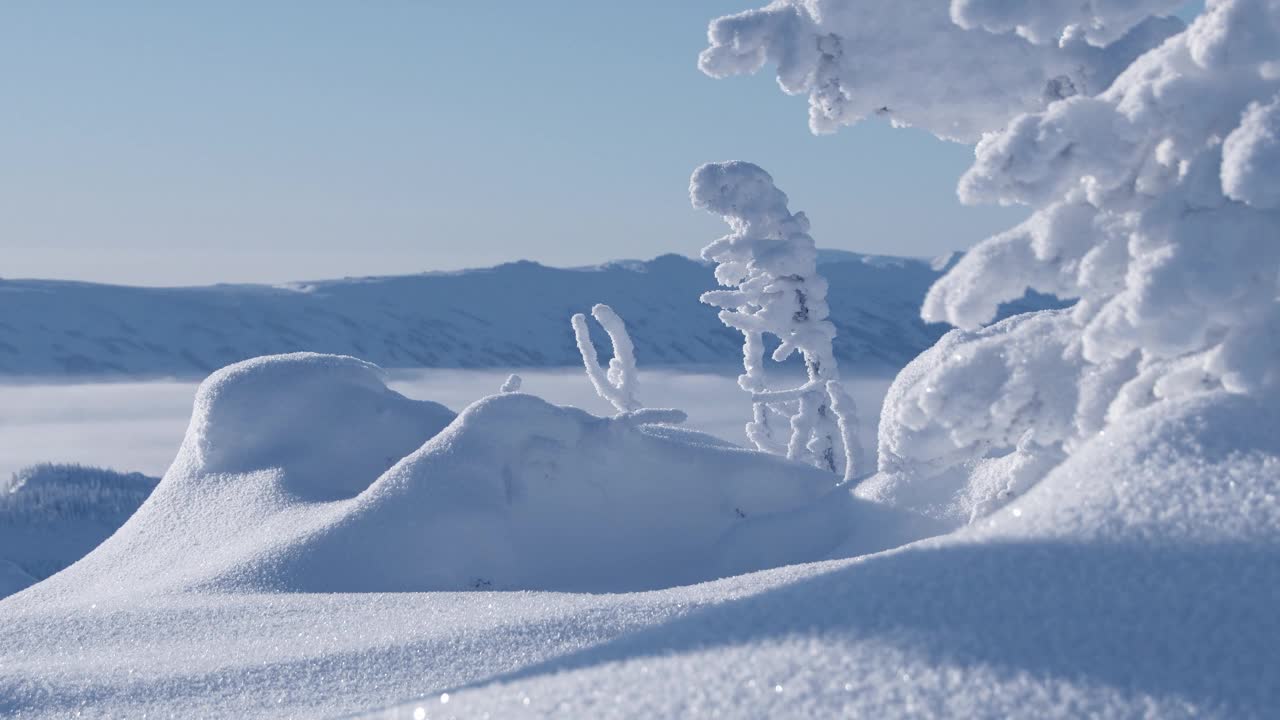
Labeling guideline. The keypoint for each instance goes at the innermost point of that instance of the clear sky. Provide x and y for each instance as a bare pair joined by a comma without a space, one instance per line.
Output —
175,143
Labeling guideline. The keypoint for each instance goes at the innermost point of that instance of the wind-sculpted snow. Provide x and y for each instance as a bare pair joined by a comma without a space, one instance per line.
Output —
509,316
304,473
326,423
52,515
1138,579
908,61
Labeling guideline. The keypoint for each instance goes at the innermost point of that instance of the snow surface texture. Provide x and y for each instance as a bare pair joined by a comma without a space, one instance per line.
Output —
477,318
51,515
1156,205
769,263
206,600
908,61
1139,579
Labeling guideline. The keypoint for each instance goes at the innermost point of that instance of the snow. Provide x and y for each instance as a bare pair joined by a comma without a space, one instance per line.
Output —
1138,579
908,61
769,263
1101,22
52,515
1076,511
205,599
1155,206
299,472
979,417
618,383
139,424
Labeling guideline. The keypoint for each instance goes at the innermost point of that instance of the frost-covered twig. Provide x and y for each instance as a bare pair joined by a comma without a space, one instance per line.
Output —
618,383
769,262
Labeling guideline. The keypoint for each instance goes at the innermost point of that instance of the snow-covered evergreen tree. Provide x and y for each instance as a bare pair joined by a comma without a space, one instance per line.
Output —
770,263
1149,151
1157,205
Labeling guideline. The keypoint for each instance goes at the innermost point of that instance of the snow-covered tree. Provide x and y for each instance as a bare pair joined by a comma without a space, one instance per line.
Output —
770,263
1149,151
1157,205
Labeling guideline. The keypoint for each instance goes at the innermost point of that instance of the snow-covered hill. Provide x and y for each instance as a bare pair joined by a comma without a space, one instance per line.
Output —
51,515
510,315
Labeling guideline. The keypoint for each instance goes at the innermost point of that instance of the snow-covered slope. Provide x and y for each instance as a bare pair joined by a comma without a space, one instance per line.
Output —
1139,579
51,515
511,315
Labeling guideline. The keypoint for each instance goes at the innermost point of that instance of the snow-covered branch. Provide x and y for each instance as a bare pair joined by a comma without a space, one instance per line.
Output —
908,61
618,383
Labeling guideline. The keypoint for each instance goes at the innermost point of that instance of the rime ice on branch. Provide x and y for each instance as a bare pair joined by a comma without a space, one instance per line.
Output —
618,383
770,263
908,61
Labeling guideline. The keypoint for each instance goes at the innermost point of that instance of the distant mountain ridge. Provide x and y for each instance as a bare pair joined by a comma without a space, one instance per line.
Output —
516,314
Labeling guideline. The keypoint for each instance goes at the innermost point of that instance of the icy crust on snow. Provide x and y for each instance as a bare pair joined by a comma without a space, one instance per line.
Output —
304,473
51,515
908,60
1139,578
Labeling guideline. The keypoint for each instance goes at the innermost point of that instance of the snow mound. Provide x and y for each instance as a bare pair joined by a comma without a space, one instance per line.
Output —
520,493
52,515
304,473
981,416
327,423
1138,579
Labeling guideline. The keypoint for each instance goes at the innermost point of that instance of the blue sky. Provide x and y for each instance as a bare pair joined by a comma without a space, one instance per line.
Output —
177,143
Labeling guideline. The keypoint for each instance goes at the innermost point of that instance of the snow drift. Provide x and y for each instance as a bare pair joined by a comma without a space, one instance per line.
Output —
304,472
1139,578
